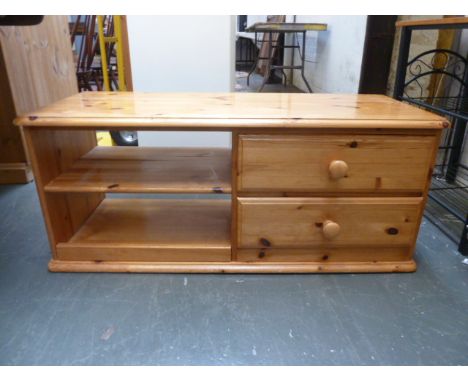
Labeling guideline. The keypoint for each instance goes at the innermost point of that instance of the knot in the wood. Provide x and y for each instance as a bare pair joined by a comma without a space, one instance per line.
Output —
265,242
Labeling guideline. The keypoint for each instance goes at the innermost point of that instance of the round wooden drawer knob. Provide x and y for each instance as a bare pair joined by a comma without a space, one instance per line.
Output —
338,169
330,229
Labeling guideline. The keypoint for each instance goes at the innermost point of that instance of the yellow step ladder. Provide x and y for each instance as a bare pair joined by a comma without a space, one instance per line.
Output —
104,137
117,39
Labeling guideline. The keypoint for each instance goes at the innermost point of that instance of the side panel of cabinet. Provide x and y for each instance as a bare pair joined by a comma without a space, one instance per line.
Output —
52,152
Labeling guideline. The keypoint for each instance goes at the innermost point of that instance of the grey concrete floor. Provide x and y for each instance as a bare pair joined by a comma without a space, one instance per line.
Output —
163,319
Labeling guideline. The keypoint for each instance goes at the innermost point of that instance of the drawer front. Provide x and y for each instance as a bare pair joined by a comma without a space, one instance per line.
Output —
318,222
324,163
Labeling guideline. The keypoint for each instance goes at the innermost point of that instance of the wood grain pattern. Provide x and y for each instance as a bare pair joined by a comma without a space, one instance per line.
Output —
53,152
11,142
147,169
150,252
430,171
302,163
234,169
15,173
39,59
233,267
285,27
443,21
215,111
36,69
298,222
153,229
325,255
126,54
340,147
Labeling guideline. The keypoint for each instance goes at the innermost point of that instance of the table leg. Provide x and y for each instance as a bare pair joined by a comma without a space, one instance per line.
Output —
255,62
303,61
269,59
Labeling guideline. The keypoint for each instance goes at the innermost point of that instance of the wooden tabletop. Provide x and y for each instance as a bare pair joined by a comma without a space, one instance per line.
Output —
286,27
427,22
227,111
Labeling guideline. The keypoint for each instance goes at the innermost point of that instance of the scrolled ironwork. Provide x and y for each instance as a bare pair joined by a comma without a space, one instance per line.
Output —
437,64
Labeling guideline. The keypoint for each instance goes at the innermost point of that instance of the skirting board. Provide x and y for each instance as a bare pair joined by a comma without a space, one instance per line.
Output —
233,267
14,173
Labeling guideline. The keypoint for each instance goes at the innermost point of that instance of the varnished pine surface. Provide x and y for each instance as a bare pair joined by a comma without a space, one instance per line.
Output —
15,173
234,267
36,69
325,255
195,235
152,230
162,222
299,222
286,27
302,163
443,21
53,152
225,111
148,169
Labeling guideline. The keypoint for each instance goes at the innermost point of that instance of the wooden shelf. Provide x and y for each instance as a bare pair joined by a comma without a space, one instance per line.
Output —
153,230
148,170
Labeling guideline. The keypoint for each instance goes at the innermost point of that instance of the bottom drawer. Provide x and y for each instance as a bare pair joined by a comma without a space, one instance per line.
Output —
327,222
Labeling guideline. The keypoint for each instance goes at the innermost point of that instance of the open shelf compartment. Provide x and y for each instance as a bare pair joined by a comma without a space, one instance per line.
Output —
148,170
153,230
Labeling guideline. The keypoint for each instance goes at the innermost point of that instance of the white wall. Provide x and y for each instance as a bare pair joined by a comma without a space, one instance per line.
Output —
182,54
252,19
333,57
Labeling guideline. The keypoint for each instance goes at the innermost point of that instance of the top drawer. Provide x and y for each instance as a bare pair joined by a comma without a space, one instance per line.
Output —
364,163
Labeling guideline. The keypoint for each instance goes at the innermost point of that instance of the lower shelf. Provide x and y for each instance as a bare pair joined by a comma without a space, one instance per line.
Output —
153,230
